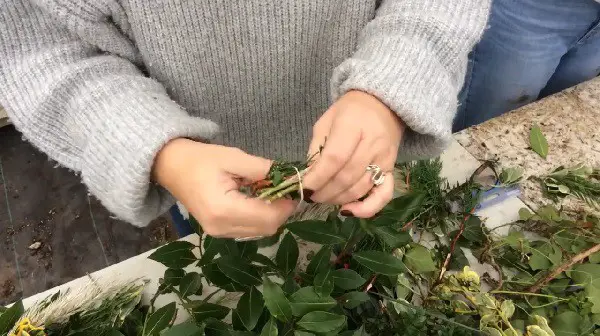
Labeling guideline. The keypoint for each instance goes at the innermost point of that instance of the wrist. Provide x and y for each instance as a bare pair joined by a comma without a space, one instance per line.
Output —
169,160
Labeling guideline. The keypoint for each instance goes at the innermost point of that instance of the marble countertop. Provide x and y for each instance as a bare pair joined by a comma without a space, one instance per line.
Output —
570,121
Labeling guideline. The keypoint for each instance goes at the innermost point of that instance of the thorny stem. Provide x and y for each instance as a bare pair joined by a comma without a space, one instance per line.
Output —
576,259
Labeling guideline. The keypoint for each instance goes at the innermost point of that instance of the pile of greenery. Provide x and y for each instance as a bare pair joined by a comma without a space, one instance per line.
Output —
403,272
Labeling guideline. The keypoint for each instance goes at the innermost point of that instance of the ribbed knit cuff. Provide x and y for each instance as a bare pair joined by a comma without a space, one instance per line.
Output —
411,82
118,161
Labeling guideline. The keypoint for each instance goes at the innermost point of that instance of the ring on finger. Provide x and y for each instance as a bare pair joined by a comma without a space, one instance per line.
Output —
377,174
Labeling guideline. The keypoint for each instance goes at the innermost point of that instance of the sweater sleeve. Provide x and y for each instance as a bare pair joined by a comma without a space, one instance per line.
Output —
90,109
413,56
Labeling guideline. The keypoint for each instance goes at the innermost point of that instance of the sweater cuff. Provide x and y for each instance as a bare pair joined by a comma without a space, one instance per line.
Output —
406,76
117,163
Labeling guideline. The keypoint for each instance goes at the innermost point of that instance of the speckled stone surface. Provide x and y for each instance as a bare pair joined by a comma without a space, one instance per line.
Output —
570,120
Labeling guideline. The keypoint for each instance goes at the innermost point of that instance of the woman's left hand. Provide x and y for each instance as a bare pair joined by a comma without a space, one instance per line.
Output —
356,131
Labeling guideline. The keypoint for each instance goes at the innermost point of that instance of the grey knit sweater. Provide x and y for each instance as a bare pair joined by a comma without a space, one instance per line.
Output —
102,85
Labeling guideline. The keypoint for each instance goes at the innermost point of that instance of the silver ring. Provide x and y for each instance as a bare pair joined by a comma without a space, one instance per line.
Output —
245,239
377,174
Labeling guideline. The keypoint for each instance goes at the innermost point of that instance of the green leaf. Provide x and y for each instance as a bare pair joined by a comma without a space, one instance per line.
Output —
592,293
250,307
196,226
306,300
190,284
207,310
538,141
276,302
214,275
302,333
352,300
391,237
566,323
403,286
247,249
418,259
183,329
177,254
544,256
263,260
474,231
347,279
215,327
290,285
525,214
380,262
114,332
316,231
287,254
270,329
321,322
173,276
508,308
160,319
511,175
320,261
595,258
323,283
211,249
239,270
399,210
10,317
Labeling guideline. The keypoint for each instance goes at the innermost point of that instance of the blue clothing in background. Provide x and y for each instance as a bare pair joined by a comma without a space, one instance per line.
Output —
530,49
182,225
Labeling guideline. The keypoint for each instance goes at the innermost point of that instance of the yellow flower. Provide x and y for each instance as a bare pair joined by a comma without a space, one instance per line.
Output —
25,328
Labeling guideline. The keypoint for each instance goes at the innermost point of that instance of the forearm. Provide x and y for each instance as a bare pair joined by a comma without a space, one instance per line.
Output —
93,112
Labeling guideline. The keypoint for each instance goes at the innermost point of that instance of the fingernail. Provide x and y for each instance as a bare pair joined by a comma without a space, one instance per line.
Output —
307,194
346,213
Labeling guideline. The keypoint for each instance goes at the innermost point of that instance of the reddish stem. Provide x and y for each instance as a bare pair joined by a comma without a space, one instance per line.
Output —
369,285
461,229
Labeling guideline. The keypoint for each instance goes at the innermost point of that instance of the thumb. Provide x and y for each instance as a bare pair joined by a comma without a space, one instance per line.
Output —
246,166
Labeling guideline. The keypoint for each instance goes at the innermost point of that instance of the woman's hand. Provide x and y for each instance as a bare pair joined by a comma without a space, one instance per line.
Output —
206,179
358,130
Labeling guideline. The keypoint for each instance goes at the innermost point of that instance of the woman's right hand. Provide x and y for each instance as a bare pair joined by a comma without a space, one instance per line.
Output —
206,179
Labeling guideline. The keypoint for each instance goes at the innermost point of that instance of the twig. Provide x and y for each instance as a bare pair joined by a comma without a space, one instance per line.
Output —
453,245
576,259
369,284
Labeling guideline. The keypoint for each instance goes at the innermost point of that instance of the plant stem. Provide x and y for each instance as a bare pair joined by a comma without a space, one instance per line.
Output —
211,295
434,316
567,265
453,245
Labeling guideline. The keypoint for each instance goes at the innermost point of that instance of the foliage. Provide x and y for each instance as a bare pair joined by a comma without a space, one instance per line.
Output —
383,276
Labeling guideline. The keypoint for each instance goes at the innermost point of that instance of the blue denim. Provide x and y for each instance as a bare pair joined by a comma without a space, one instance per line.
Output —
531,49
182,225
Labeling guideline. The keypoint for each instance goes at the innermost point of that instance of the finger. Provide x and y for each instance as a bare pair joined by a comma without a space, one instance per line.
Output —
355,192
254,212
349,175
377,199
247,166
341,144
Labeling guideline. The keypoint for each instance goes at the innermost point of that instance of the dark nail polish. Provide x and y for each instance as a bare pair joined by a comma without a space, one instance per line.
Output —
346,213
307,195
